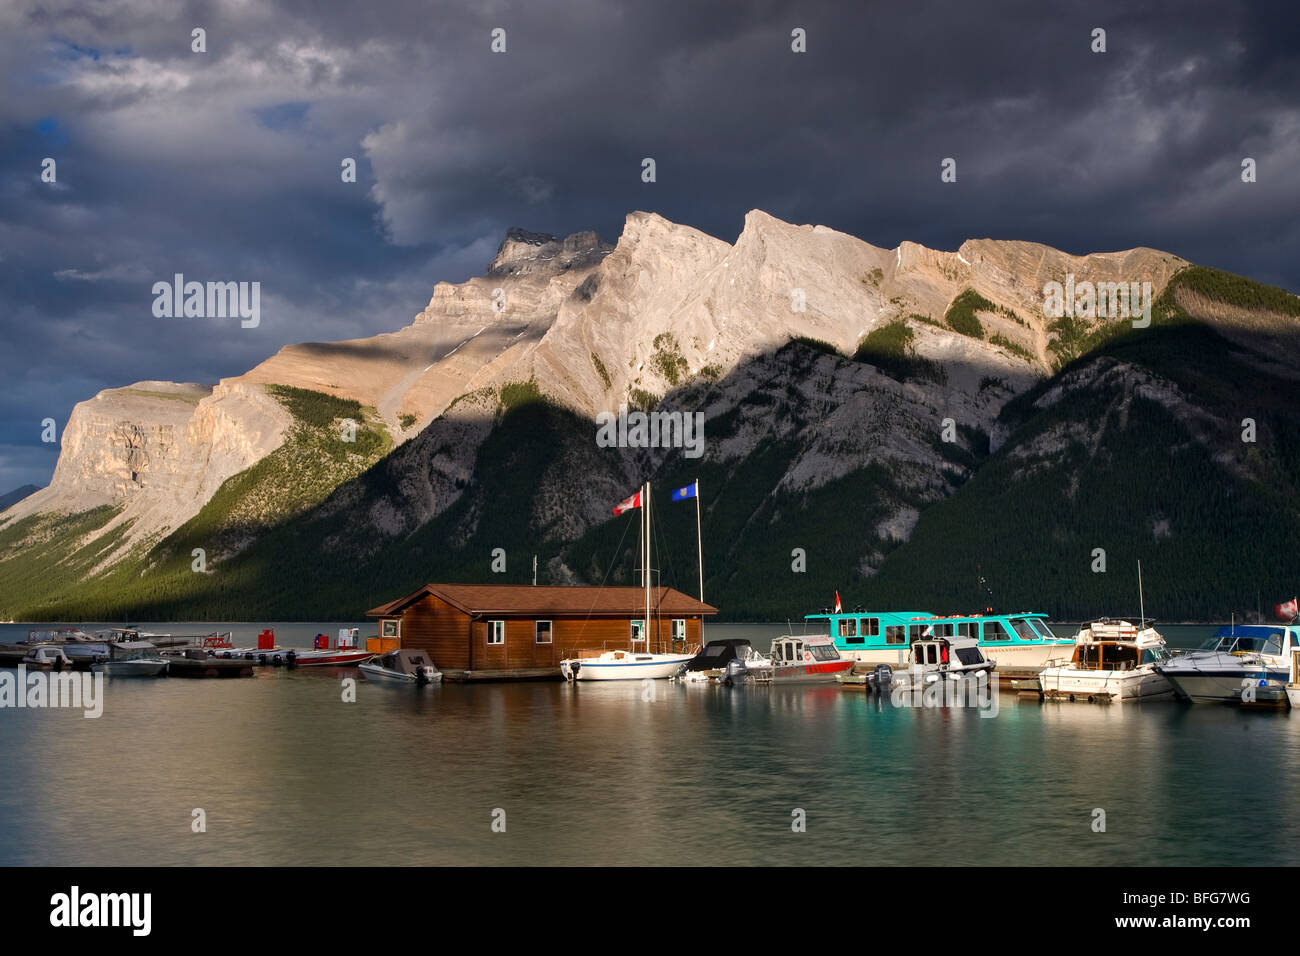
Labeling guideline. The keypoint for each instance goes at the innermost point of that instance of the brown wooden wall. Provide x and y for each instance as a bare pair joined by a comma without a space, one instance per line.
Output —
457,642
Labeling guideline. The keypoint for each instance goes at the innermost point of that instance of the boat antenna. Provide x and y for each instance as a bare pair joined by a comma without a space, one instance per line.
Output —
1142,608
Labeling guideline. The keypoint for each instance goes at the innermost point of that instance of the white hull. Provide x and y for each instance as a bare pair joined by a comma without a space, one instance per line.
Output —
383,673
1293,696
1139,684
661,668
144,668
1202,688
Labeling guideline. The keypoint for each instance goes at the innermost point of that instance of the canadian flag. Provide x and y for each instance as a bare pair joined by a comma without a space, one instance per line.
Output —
633,502
1288,610
838,606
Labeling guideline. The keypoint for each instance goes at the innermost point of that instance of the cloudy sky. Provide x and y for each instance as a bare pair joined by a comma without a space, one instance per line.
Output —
225,165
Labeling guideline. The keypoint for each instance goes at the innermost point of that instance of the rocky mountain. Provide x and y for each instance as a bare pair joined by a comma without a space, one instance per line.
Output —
848,393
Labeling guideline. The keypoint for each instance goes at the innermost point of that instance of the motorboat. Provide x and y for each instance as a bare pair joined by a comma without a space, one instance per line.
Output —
802,658
934,658
409,665
1241,663
342,653
722,661
1112,660
79,646
47,657
1293,685
131,659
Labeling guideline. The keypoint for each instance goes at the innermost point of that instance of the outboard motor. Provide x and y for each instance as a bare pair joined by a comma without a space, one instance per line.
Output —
574,667
736,672
881,678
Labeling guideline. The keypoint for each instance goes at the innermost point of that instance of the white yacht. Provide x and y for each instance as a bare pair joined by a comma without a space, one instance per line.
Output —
1112,660
1241,663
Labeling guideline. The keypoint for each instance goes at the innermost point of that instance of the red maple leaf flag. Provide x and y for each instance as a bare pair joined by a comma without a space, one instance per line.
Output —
838,606
1288,610
628,503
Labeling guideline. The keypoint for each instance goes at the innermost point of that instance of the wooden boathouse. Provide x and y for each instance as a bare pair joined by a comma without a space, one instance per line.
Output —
522,631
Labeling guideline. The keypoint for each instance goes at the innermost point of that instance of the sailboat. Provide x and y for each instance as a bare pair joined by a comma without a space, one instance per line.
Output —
632,664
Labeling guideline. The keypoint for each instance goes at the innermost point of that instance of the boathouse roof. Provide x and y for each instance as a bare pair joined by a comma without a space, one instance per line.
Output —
535,600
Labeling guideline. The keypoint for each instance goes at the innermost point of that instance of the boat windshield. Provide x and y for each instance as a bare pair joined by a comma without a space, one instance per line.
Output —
1246,643
1025,632
823,652
1154,655
1041,627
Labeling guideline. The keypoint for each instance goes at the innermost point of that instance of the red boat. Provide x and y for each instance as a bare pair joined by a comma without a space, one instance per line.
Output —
795,658
343,653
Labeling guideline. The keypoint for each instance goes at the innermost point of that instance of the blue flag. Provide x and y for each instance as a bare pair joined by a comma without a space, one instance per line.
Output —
690,491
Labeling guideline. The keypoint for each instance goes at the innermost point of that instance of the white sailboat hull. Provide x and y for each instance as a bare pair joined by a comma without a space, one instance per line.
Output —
635,667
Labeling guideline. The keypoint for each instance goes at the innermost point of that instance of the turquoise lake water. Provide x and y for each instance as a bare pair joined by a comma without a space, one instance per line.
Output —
286,772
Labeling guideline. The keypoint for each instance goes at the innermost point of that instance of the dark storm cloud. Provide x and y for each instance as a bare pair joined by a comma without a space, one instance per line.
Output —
225,165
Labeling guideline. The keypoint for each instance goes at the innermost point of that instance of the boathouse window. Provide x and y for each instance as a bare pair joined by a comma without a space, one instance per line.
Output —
848,626
496,632
993,631
390,628
895,633
870,627
679,629
543,632
638,630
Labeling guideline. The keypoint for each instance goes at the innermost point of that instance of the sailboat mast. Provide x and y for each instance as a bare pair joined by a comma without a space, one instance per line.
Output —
646,509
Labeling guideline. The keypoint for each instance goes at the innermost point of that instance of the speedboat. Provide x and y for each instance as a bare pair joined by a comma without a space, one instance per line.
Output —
344,652
409,665
723,660
131,659
1241,663
799,658
1112,660
47,657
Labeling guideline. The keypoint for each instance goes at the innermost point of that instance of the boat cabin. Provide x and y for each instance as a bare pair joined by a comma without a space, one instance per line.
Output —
813,649
859,630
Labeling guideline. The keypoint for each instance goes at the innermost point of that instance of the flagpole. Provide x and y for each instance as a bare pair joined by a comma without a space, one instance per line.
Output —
699,549
699,538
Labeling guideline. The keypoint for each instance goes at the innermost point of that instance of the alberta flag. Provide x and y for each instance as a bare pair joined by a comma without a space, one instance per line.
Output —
690,491
627,504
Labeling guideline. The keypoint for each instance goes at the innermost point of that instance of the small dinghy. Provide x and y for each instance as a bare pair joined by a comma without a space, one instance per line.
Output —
131,659
411,666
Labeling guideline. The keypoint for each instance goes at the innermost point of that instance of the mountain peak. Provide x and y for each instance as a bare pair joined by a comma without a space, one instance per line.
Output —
524,252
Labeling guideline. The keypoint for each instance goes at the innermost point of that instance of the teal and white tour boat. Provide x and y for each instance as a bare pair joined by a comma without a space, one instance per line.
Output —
1023,639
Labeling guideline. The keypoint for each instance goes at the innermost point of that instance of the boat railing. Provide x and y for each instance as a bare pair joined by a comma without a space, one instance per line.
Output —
638,647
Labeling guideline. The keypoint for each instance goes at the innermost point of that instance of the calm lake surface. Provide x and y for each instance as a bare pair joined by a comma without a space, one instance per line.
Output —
287,773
